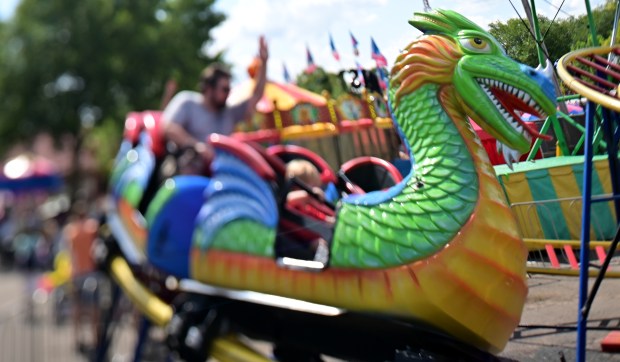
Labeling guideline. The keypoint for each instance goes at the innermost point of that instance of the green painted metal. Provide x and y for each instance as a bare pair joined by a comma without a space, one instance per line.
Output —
591,24
561,140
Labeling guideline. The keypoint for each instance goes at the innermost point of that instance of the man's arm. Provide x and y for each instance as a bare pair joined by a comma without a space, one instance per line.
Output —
261,78
175,132
178,135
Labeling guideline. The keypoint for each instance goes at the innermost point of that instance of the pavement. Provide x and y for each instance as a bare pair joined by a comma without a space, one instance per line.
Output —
27,328
553,301
30,331
33,328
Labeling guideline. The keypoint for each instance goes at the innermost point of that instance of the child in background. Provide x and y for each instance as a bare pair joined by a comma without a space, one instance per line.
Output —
80,234
306,172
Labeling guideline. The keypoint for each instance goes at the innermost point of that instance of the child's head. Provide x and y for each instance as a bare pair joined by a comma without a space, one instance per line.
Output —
305,171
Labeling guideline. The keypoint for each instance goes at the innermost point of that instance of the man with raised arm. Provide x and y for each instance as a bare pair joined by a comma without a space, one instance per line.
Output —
191,117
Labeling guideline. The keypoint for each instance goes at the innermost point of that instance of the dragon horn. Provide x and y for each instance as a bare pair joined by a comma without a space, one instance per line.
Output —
547,70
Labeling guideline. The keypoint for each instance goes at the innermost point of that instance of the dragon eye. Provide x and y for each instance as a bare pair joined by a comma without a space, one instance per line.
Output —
476,44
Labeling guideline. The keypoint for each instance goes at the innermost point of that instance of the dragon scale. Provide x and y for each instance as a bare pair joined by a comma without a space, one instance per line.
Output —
433,205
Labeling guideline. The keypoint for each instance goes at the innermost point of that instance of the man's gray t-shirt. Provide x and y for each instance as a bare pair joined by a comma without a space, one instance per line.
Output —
187,109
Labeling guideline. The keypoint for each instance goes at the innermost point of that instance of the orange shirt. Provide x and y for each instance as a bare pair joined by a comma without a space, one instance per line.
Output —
80,235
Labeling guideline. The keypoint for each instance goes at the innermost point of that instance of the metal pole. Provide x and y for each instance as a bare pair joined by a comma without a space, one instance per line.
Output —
609,122
615,29
611,57
591,24
582,318
530,11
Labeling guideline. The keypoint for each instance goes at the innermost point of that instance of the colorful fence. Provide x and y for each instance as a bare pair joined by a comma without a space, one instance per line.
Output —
546,197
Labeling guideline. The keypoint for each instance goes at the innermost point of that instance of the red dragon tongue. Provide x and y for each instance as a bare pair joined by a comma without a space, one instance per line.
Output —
511,103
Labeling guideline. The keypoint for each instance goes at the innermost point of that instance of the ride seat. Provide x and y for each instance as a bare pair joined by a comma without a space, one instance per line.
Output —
369,173
154,129
153,124
288,153
297,226
134,124
246,153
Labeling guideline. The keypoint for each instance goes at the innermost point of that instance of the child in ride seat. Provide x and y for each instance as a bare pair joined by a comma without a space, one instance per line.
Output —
306,172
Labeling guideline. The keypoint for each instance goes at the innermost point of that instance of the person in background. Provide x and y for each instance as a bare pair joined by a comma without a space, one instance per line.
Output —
307,173
191,117
79,234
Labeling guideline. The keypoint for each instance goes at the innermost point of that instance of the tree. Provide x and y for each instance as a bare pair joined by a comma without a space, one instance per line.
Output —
561,36
67,64
319,81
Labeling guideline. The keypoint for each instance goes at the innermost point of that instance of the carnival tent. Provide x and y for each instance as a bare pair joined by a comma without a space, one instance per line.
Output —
285,96
28,173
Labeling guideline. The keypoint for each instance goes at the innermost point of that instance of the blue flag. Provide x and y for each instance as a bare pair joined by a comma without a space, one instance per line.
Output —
287,77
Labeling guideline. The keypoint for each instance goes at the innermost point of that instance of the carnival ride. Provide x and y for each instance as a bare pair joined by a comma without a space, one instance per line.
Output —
433,265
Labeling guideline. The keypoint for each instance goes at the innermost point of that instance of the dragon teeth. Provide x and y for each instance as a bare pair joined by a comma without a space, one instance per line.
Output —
485,83
526,98
509,154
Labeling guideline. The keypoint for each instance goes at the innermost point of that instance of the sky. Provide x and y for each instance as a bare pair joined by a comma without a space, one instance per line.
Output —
290,26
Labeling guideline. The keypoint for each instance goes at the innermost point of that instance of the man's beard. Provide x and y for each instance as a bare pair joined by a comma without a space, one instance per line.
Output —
218,105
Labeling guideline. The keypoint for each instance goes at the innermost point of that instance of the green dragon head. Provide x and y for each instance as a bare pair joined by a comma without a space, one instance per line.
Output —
489,86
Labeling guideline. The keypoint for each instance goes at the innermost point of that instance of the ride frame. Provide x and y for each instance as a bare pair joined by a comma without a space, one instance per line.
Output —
606,108
587,197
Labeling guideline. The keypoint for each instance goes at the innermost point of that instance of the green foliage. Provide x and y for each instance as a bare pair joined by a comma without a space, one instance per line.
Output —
103,141
563,36
319,81
68,63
